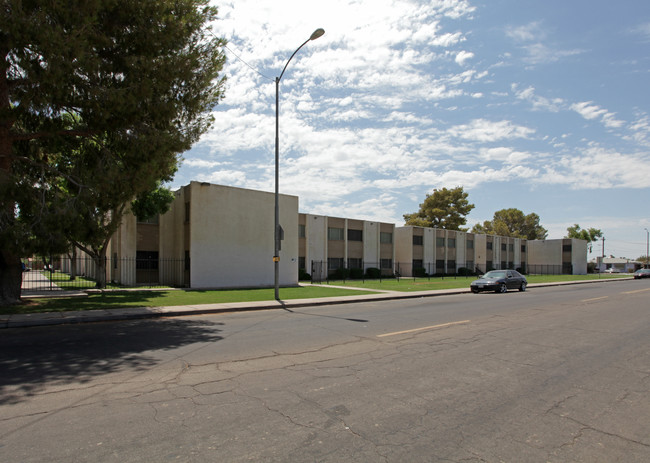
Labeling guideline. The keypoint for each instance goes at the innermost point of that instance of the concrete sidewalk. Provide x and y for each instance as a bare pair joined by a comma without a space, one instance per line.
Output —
87,316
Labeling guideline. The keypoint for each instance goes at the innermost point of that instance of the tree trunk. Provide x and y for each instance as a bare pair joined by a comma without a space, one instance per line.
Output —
73,263
100,269
11,271
11,277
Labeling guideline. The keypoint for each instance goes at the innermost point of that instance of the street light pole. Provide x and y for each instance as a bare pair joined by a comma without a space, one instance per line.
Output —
277,236
647,248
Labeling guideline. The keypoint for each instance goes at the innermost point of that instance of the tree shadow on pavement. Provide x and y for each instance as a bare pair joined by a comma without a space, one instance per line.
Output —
31,358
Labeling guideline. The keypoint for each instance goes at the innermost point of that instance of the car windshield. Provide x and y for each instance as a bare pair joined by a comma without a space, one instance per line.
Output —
495,274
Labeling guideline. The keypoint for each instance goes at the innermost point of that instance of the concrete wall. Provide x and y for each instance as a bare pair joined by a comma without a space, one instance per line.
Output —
550,253
231,237
579,256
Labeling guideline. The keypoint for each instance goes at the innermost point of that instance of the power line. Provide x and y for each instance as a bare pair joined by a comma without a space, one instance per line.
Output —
250,66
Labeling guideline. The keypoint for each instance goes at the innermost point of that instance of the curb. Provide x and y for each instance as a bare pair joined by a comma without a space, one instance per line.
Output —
142,313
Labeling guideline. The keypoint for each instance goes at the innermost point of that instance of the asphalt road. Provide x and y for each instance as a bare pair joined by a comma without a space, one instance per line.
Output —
550,375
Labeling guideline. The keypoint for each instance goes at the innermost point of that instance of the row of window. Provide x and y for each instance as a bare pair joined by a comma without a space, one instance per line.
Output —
335,263
338,234
451,243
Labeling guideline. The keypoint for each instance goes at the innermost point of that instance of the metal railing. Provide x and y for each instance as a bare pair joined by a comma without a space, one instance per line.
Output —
64,273
321,271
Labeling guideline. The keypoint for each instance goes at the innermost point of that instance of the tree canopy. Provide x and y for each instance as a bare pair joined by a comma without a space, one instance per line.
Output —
589,235
444,208
98,99
513,222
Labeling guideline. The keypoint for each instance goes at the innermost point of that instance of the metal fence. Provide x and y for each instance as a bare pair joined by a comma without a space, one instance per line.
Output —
64,273
336,270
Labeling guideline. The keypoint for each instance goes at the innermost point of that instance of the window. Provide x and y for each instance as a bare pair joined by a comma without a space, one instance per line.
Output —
451,242
418,240
470,244
386,263
440,242
355,235
451,266
385,237
355,263
503,246
469,264
335,234
511,247
187,260
417,263
301,233
523,248
488,245
301,263
187,212
566,248
440,266
334,263
146,260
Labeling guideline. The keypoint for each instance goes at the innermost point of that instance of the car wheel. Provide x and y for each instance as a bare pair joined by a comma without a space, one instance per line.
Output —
502,288
522,287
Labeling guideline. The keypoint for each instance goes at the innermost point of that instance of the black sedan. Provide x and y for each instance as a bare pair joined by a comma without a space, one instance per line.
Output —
499,281
642,273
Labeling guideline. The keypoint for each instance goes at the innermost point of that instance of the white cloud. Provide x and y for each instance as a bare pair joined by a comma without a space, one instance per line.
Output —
590,111
483,130
527,33
538,102
463,56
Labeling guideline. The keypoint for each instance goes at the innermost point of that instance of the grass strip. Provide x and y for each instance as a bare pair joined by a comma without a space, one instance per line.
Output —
431,284
165,297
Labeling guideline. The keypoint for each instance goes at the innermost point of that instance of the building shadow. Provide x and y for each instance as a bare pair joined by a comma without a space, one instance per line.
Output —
31,358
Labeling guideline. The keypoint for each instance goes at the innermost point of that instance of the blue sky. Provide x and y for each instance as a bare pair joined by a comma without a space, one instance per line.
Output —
538,105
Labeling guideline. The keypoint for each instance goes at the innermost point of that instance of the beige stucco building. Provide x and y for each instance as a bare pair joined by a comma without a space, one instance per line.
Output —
213,236
566,256
438,251
217,236
327,244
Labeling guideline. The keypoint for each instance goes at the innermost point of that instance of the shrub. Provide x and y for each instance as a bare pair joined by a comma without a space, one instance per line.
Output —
373,272
340,274
356,273
419,272
303,276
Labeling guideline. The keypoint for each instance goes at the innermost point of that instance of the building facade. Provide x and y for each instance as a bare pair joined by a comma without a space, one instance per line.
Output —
328,245
216,236
213,236
431,251
561,256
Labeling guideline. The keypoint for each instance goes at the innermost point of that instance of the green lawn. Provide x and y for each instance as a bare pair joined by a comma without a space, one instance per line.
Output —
167,297
425,284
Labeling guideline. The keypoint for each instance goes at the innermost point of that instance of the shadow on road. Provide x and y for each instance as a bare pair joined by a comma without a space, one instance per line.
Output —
77,353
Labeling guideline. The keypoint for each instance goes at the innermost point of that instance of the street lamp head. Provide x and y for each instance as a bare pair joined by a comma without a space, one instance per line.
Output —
317,33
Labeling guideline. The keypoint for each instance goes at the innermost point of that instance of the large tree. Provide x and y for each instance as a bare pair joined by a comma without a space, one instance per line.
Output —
444,208
98,98
589,235
513,222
